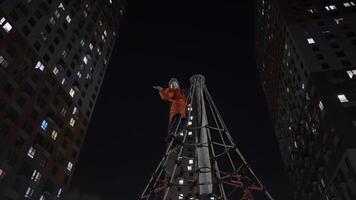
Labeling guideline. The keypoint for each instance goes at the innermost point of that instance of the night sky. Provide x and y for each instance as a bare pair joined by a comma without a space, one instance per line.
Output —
160,39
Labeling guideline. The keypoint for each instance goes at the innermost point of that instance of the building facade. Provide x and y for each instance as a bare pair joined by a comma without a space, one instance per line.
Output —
306,58
53,57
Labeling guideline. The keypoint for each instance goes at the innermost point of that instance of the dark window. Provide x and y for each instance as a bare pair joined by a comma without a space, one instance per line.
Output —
12,115
335,45
2,104
46,57
32,22
346,63
21,101
54,170
350,34
38,14
27,88
320,57
37,45
25,30
19,142
48,28
8,89
4,128
14,15
340,54
56,41
325,66
315,48
41,102
354,42
69,73
51,48
46,91
69,46
27,127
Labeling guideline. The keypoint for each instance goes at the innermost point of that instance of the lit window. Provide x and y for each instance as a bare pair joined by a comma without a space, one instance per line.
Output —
31,152
2,20
105,33
44,125
312,11
311,41
72,121
36,176
351,73
295,144
71,92
181,134
322,182
330,7
79,74
64,53
39,66
69,166
190,162
349,4
85,59
54,135
82,43
110,1
64,111
3,62
75,110
342,98
190,133
180,196
59,193
63,81
52,20
99,52
91,46
29,192
42,197
55,70
321,106
191,117
190,168
189,123
2,173
181,181
61,6
338,20
57,14
7,27
68,19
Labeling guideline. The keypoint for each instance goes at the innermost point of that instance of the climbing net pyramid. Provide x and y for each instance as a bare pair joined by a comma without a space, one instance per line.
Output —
202,162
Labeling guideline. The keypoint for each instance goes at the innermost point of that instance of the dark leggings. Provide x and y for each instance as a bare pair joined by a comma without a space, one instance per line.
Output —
175,123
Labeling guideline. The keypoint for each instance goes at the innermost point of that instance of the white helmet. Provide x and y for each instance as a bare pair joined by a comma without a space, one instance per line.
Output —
173,83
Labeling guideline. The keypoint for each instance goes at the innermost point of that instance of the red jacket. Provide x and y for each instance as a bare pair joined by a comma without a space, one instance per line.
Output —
178,101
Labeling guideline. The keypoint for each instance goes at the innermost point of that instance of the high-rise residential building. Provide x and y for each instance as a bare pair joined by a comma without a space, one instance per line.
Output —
306,57
53,58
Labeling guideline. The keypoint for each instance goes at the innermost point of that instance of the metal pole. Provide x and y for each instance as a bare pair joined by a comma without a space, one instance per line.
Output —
204,165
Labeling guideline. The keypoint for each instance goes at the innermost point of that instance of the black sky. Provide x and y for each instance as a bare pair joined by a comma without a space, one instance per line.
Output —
160,39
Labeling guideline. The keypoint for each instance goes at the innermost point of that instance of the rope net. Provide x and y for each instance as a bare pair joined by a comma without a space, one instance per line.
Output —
202,161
